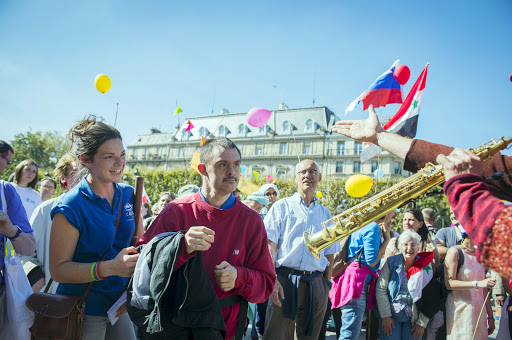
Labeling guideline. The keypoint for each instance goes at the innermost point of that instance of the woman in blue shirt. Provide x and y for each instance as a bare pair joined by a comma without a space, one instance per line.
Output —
84,230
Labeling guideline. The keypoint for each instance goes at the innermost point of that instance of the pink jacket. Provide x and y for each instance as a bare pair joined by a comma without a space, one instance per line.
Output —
350,284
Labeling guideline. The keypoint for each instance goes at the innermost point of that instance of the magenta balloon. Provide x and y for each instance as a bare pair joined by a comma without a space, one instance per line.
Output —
402,74
258,116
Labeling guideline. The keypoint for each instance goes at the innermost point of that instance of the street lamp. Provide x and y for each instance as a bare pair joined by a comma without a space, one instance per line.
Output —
47,174
136,173
126,180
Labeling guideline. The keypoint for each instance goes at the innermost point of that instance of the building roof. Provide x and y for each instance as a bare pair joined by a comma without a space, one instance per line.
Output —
303,121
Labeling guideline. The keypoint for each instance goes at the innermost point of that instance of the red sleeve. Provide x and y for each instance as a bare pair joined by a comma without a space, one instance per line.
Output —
164,223
475,207
422,152
256,279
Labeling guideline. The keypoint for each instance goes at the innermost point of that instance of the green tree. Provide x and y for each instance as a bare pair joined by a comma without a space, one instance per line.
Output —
45,148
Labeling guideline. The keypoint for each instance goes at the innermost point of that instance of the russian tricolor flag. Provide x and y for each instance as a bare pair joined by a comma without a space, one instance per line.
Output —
405,121
384,90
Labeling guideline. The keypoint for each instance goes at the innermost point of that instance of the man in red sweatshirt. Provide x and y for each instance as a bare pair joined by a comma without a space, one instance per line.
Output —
231,235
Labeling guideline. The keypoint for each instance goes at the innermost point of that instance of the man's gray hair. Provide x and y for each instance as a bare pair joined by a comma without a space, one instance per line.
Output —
317,166
212,144
429,214
406,235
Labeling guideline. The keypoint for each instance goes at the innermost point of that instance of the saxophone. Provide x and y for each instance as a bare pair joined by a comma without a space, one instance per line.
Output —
377,206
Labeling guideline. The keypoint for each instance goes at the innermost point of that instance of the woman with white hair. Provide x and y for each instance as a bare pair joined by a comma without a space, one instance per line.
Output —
397,293
271,193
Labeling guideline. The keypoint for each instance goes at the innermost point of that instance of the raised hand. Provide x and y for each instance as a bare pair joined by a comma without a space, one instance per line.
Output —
364,130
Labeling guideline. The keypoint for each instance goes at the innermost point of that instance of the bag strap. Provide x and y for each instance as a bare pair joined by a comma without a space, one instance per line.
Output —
84,297
460,258
242,313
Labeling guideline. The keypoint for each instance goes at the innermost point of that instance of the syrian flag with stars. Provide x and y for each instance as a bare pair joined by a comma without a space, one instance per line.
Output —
405,121
420,274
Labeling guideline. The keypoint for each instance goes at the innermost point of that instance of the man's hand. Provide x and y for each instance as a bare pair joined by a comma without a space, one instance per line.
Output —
365,130
460,162
417,331
199,239
387,325
225,275
277,293
499,300
6,227
491,325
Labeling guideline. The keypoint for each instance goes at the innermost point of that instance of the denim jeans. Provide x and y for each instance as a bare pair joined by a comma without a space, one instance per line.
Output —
352,317
402,329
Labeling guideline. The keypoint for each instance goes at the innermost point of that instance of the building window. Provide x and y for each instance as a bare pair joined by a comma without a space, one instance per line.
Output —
241,129
358,148
286,127
283,148
309,125
259,149
185,135
204,132
307,148
223,131
357,167
180,152
340,150
398,168
263,130
374,166
281,173
258,170
339,167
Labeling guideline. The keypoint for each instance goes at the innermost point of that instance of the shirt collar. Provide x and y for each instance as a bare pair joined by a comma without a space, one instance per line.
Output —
86,190
299,199
230,202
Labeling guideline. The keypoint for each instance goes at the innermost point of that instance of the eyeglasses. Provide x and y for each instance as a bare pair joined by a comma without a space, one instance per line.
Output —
312,172
7,160
271,194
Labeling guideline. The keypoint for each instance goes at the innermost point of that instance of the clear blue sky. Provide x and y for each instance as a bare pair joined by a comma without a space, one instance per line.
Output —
250,54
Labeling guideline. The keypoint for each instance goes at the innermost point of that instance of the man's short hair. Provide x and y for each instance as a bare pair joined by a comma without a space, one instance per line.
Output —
213,143
4,147
429,214
49,180
317,166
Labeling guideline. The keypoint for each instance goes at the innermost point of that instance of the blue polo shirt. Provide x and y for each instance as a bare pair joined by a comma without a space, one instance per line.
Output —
95,220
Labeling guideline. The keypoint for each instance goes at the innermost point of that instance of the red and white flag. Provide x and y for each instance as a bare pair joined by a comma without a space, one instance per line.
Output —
405,121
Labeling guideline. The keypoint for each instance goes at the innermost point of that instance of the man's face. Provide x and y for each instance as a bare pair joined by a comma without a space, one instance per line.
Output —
223,170
164,200
5,160
47,189
307,177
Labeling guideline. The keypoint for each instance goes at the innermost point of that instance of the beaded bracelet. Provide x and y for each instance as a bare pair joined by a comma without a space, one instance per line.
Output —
97,271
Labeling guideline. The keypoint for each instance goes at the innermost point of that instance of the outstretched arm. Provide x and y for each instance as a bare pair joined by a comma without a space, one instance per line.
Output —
370,130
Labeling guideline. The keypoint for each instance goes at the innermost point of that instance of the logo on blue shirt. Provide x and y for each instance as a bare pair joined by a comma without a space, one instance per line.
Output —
129,209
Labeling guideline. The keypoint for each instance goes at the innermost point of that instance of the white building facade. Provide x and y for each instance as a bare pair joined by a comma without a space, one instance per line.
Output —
273,149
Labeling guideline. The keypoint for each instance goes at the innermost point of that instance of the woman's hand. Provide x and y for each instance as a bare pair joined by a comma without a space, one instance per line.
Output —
417,331
430,247
486,283
122,265
490,329
387,325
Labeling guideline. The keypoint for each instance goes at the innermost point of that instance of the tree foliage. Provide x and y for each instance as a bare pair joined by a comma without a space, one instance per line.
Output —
45,148
333,192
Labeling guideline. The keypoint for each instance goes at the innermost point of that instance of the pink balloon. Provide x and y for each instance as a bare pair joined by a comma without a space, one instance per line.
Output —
258,116
402,74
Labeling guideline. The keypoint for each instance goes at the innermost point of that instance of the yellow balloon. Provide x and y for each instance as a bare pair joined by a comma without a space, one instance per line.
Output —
358,185
319,194
102,83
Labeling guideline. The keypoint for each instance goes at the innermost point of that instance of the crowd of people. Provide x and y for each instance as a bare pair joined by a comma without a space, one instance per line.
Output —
203,252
